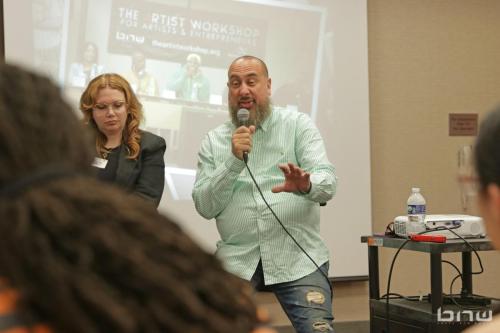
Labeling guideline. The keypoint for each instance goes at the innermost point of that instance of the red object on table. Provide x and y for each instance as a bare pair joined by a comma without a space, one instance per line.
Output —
428,238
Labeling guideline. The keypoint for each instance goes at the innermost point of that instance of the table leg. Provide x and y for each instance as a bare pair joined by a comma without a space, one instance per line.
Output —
436,282
466,273
373,272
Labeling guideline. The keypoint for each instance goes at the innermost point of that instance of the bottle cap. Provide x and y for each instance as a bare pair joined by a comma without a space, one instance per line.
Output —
415,189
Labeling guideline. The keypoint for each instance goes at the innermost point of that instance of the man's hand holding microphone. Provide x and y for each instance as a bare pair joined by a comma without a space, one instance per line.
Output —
242,137
242,142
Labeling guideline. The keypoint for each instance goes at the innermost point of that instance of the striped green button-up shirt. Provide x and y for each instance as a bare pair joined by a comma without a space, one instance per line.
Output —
224,190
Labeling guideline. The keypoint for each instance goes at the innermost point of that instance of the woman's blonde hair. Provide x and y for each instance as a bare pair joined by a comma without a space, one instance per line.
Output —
131,135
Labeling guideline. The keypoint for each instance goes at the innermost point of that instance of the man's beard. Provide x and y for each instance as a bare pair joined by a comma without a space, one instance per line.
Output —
262,111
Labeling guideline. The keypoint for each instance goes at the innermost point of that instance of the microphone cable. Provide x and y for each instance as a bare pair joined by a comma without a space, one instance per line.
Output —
286,230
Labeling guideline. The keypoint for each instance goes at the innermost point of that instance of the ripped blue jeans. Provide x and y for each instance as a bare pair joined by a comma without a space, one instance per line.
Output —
306,301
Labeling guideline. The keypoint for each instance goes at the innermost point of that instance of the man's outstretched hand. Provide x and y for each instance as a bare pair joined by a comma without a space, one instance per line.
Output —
296,179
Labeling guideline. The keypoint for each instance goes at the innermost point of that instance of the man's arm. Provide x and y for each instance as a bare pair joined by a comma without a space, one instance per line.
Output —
314,177
213,188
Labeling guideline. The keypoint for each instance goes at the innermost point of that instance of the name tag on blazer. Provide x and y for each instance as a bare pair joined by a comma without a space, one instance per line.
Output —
99,162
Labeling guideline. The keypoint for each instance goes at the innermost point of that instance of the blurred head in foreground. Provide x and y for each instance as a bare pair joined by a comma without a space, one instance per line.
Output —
81,256
487,160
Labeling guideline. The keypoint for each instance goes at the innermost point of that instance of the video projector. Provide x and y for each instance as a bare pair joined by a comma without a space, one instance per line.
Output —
467,226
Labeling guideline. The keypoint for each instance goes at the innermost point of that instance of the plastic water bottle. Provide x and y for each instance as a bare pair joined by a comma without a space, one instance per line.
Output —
416,206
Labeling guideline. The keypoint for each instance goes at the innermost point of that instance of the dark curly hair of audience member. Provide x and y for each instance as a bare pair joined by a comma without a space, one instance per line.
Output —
84,256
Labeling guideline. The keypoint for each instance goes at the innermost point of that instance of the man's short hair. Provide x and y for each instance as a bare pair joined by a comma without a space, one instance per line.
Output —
251,57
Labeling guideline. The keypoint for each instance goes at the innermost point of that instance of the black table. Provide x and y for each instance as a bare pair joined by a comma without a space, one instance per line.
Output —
408,310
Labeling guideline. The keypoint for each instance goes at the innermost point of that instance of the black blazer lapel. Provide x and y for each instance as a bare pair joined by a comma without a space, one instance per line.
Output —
124,174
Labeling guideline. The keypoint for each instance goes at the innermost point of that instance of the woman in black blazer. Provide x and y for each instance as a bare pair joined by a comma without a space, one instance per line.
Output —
126,155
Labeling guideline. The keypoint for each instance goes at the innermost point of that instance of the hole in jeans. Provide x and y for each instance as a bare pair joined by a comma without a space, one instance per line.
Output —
322,326
315,297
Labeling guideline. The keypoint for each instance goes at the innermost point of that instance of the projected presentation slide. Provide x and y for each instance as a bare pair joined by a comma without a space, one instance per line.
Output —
175,54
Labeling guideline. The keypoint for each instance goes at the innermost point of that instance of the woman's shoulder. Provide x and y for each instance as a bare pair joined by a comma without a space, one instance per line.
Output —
152,141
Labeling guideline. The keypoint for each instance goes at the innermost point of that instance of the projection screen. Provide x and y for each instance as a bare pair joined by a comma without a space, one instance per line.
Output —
316,52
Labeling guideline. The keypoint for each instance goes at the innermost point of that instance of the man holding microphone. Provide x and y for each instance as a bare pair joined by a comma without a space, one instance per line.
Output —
279,250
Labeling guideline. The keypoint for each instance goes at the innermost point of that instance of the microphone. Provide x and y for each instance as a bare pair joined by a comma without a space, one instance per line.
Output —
243,115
